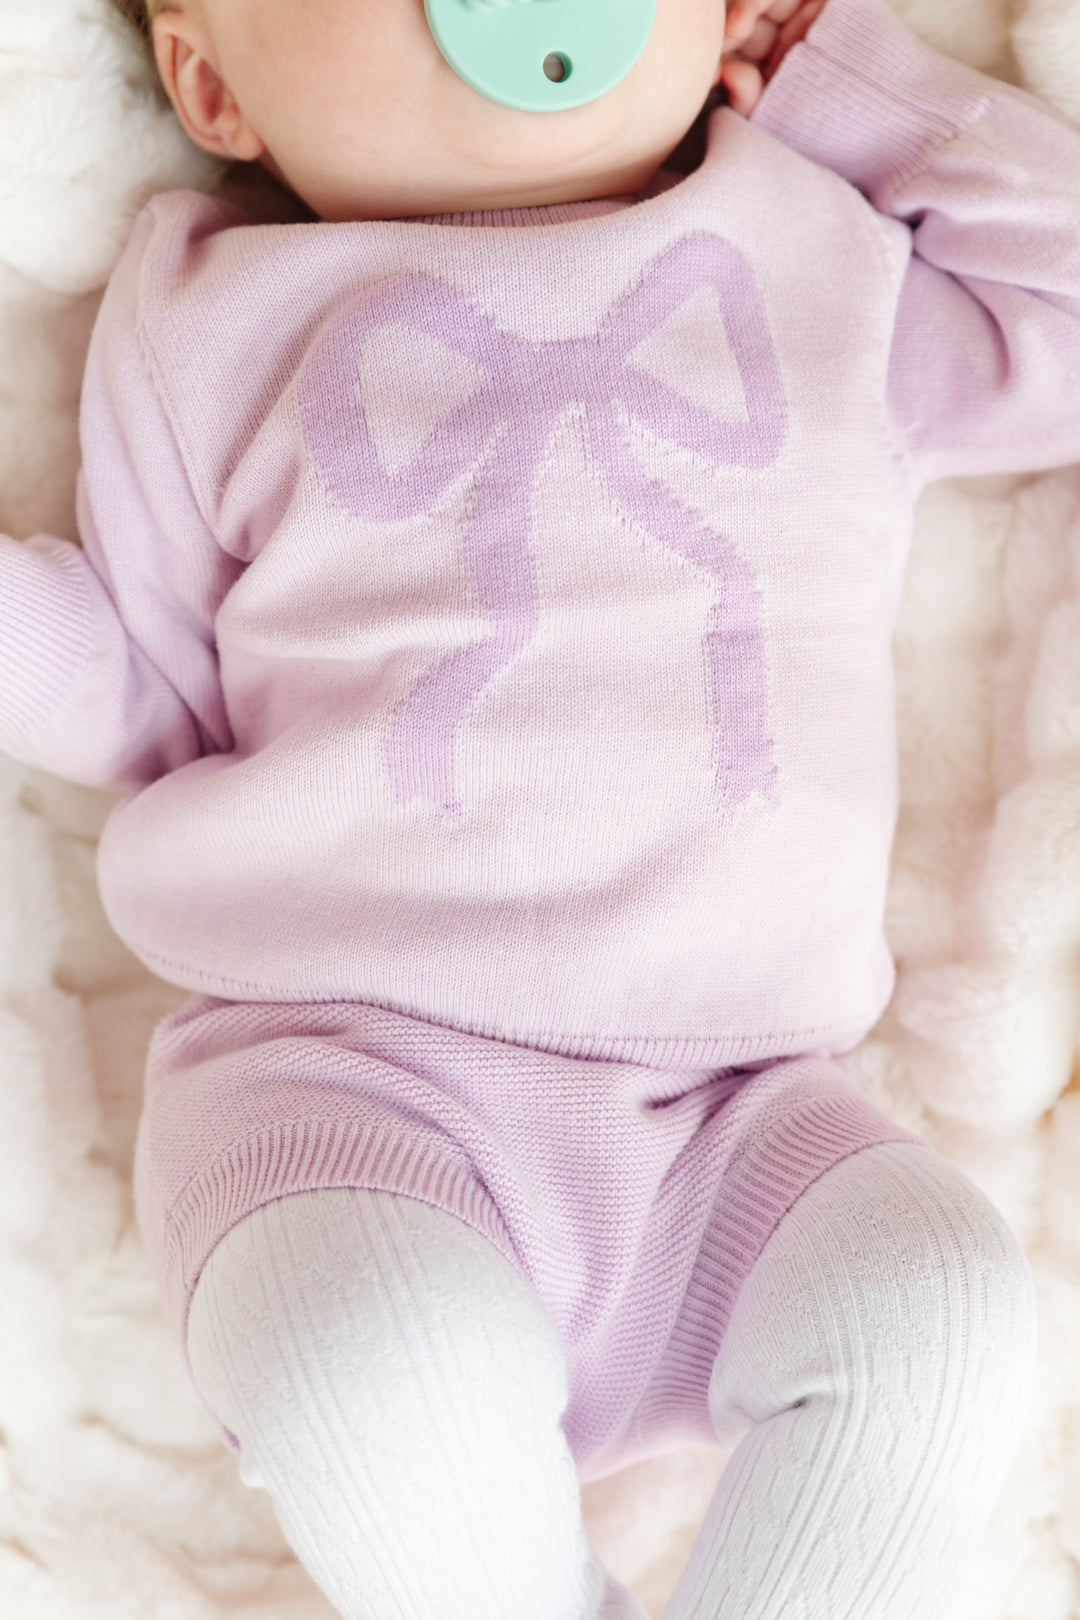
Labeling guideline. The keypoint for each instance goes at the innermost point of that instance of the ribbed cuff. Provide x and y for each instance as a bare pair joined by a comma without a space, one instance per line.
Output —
297,1156
864,96
802,1138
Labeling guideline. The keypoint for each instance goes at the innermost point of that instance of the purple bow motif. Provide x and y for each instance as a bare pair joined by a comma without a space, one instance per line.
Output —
498,435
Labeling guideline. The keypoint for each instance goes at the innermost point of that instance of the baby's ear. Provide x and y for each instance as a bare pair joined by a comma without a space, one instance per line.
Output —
204,103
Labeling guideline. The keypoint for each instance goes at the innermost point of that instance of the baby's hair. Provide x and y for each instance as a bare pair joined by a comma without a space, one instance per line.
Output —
139,13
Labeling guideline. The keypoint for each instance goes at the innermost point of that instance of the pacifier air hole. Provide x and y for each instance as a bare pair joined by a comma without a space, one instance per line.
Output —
557,66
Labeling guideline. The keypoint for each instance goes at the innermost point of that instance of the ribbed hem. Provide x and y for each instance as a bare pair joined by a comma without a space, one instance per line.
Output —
301,1156
669,1052
766,1177
864,96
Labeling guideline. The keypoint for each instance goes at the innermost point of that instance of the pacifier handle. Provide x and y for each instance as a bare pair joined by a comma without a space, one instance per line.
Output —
541,55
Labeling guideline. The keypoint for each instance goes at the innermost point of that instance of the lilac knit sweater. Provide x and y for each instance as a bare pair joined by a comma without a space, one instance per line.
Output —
493,623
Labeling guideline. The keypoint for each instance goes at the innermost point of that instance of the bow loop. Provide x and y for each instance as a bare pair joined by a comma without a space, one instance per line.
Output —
698,261
338,425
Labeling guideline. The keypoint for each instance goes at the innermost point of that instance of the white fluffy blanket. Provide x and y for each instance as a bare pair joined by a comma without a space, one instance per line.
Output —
117,1501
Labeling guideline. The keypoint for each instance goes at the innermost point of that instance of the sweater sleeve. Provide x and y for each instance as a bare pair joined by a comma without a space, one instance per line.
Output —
984,374
110,674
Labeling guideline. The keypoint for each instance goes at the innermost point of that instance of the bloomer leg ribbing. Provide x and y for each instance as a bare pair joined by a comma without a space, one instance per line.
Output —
396,1385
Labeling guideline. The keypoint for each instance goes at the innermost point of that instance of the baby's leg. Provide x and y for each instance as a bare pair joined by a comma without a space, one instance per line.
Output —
882,1348
396,1385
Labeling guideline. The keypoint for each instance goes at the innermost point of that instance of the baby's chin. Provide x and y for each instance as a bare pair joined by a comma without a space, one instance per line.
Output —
481,193
494,158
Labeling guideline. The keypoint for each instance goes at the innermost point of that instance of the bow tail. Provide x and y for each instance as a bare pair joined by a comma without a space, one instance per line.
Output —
734,644
420,748
735,664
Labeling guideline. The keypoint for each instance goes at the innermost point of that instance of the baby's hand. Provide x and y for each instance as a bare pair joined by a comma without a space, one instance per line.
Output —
757,36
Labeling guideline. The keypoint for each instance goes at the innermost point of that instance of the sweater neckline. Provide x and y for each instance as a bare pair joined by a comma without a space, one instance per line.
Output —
564,213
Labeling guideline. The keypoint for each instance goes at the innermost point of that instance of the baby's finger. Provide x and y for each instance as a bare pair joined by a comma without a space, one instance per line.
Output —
760,44
781,11
741,19
793,31
743,84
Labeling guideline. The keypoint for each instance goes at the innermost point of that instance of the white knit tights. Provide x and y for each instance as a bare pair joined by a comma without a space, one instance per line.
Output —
396,1385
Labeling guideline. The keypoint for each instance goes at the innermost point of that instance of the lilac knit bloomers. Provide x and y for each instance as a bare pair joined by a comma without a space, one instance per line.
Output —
634,1199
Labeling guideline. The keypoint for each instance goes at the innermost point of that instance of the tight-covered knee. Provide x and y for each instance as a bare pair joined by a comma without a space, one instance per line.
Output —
879,1359
331,1282
396,1385
893,1278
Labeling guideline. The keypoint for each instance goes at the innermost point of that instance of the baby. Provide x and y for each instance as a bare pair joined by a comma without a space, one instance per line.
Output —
484,607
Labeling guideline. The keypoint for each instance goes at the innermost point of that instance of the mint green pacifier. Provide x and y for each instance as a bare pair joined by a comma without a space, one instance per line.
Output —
541,55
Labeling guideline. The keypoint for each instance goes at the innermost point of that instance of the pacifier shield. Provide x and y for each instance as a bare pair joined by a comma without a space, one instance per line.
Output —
541,55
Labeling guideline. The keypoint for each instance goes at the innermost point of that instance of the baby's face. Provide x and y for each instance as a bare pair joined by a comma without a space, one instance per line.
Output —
351,103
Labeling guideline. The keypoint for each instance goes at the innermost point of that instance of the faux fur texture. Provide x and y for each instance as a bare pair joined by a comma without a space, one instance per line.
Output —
117,1500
